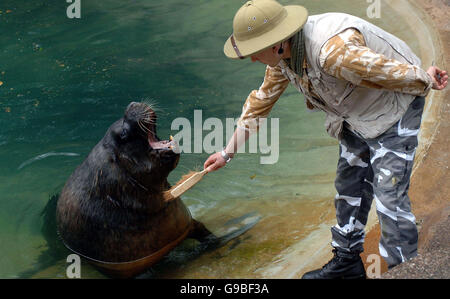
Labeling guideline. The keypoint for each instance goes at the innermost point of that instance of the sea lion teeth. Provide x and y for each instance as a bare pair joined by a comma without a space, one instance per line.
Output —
158,145
174,146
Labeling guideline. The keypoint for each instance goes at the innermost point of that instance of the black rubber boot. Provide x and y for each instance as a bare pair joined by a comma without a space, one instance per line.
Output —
342,266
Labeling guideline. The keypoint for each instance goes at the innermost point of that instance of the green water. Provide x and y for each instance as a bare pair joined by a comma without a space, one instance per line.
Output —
64,81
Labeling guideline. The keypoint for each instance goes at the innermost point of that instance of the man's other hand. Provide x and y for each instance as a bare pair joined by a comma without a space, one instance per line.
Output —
440,78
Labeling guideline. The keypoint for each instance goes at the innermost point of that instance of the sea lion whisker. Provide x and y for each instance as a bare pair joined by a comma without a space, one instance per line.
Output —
152,105
147,121
144,129
145,116
142,125
148,115
147,111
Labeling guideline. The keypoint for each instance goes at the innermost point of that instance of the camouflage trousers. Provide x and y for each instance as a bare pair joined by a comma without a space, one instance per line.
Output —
379,169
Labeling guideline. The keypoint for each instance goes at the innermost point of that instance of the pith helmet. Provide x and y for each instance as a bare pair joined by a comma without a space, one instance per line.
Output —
260,24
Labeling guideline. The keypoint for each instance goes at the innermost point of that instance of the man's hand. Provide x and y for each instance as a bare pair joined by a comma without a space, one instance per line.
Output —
440,78
214,162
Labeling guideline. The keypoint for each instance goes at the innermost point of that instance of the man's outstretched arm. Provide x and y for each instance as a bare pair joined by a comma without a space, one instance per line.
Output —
258,105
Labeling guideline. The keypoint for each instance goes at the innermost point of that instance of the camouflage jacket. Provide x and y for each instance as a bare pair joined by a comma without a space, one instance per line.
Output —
345,57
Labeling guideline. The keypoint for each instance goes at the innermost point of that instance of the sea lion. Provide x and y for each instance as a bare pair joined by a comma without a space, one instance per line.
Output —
112,210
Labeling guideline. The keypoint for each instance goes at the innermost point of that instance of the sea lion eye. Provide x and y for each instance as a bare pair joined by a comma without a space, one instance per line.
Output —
125,131
124,134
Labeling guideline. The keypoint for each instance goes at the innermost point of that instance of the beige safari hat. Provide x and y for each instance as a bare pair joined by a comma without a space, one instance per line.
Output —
260,24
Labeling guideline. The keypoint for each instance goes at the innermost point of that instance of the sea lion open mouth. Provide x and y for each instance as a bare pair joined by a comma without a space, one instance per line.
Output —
146,119
157,144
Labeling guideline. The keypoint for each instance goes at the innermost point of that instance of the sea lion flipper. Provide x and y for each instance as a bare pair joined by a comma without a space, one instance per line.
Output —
210,241
238,231
200,232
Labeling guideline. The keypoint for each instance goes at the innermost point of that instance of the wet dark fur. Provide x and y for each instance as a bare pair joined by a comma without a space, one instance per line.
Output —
112,207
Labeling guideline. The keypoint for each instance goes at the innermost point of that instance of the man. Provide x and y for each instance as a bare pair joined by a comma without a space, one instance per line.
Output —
370,85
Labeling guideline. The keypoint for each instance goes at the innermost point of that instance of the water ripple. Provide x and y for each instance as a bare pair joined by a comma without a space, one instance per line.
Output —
43,156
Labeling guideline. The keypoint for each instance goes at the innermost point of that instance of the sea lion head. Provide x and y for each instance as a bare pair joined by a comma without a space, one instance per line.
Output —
138,149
